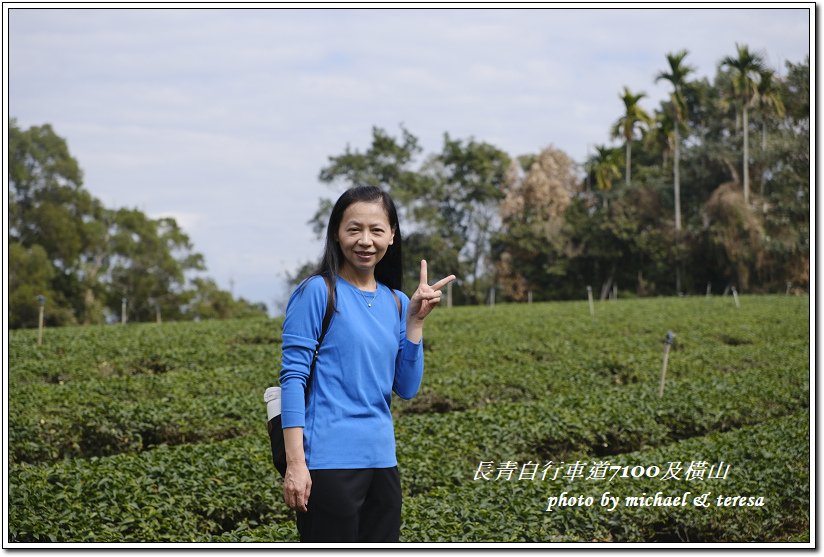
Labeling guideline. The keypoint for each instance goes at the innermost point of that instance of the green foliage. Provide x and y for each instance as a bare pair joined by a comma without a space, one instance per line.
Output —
745,66
677,76
447,207
49,213
84,258
384,164
514,510
603,167
155,432
31,275
459,212
673,225
795,91
210,302
634,116
628,234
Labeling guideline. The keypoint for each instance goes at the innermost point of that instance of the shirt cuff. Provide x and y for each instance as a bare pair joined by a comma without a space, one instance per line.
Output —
411,351
293,419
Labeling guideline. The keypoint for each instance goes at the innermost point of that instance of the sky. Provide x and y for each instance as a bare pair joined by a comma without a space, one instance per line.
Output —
223,118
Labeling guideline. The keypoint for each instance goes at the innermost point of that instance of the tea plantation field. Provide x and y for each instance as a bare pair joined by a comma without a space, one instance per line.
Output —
535,423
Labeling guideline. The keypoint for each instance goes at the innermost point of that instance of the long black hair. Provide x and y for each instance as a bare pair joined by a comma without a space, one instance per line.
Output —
389,269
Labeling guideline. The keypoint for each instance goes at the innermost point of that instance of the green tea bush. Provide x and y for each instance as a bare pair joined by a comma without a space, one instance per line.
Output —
153,432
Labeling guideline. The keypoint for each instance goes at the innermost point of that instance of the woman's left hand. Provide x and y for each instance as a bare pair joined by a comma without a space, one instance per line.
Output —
426,297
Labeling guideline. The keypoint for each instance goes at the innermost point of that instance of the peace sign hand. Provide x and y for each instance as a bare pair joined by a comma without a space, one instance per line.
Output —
426,297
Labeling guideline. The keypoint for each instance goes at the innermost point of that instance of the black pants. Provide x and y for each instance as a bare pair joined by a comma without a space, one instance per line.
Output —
362,505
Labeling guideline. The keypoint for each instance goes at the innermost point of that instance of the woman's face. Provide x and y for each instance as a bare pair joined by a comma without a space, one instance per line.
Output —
364,235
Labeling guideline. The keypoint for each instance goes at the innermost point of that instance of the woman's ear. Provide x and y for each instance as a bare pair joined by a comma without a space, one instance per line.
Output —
392,238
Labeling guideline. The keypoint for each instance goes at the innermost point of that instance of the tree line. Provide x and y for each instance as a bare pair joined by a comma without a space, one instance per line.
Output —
708,191
85,258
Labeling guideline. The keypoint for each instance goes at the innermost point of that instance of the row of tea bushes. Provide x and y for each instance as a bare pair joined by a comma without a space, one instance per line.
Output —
105,351
436,452
174,449
471,362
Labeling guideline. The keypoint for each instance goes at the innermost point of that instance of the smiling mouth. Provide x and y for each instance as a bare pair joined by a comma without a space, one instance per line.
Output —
363,254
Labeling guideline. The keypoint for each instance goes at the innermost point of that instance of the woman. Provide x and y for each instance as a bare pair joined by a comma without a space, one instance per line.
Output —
342,475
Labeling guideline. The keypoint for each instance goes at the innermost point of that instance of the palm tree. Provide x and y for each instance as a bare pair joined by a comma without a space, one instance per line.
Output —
604,167
626,124
677,76
746,68
660,135
768,98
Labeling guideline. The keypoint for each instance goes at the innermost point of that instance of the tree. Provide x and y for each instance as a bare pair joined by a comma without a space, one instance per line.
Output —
634,117
768,99
660,135
48,207
787,223
746,69
769,103
795,92
31,275
210,302
83,257
460,212
530,250
677,76
550,238
736,235
386,164
603,167
149,265
447,206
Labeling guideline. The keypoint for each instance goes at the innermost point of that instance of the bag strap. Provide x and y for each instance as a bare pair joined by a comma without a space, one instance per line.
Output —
327,318
397,301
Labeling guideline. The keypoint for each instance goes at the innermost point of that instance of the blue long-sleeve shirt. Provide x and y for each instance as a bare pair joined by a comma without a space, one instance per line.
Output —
364,356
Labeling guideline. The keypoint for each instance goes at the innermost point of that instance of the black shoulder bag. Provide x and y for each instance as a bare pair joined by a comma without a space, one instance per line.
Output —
272,394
